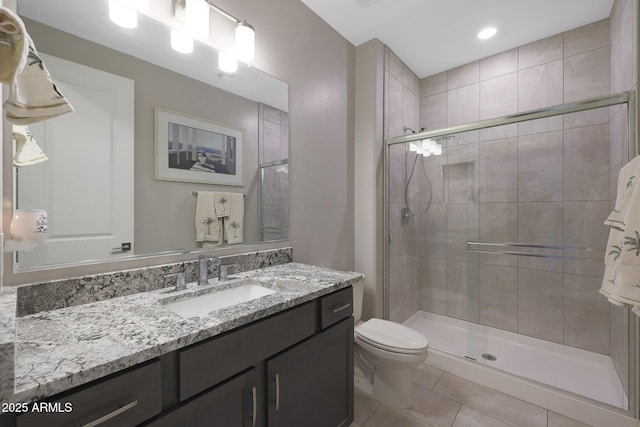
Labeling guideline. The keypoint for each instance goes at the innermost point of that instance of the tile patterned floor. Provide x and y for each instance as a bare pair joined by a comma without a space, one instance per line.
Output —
444,400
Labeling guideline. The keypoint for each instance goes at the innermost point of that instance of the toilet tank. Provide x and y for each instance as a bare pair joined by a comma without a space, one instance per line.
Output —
358,295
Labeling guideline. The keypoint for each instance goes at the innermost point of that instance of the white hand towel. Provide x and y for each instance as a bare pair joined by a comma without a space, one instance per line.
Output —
234,224
27,151
33,96
13,48
222,204
207,223
621,282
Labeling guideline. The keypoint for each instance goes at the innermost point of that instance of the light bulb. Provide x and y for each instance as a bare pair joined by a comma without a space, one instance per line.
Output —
227,63
245,42
136,4
122,14
181,42
197,17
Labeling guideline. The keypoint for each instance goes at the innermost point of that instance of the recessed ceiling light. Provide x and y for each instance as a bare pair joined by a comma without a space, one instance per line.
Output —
487,33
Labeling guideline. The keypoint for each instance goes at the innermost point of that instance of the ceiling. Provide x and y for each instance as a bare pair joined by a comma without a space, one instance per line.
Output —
431,36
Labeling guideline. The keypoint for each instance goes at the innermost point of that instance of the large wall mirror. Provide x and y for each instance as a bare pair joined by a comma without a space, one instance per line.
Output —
152,129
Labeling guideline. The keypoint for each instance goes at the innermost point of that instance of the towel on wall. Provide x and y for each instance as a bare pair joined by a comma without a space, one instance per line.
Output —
13,46
626,178
33,97
207,223
234,223
27,151
223,204
621,281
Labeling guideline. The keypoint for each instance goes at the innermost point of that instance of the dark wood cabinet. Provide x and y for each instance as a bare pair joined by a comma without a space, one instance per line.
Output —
204,364
232,403
124,399
294,368
311,384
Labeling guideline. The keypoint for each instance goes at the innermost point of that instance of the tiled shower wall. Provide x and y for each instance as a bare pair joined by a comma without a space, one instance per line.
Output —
273,143
543,182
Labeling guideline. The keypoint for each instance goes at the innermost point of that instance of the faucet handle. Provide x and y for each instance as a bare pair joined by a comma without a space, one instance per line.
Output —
224,270
181,282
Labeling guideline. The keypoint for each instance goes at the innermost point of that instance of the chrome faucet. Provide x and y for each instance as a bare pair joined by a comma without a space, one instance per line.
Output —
203,268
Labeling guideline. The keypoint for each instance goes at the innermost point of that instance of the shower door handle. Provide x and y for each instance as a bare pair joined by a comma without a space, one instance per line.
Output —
515,246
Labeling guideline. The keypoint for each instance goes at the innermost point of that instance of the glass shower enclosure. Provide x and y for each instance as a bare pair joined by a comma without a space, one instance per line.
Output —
496,244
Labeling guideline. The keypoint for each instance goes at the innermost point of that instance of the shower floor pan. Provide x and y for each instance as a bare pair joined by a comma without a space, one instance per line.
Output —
584,373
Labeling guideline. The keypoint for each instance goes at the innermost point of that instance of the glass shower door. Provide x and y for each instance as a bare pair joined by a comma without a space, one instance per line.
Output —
497,244
433,212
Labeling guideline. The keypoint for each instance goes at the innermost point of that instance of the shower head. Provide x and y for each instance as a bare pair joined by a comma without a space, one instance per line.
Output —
407,128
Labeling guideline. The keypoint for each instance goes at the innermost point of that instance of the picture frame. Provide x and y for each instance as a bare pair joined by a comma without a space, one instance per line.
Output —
194,149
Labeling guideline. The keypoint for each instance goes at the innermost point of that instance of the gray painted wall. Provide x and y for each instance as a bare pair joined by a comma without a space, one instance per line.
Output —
295,45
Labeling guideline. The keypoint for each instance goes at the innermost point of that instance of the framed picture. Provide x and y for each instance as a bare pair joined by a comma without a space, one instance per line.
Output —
193,149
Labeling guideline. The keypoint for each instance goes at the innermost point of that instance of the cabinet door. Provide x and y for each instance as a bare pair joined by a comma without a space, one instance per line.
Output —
311,384
231,404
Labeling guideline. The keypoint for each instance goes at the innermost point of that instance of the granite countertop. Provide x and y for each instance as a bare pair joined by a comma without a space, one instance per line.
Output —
60,349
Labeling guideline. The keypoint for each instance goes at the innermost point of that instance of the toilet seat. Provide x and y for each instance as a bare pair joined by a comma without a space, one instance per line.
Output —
391,336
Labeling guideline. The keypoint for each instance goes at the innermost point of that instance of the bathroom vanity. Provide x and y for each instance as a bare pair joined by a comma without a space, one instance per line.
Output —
284,359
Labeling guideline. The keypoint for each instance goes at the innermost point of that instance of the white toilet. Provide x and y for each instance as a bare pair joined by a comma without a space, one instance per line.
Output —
389,350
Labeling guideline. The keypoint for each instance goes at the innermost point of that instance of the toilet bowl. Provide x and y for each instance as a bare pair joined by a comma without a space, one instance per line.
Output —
389,351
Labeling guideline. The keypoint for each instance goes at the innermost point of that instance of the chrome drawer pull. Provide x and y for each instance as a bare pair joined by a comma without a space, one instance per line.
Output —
111,415
255,406
277,392
342,307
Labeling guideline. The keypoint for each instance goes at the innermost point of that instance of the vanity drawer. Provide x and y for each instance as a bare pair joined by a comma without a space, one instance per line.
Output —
126,399
202,366
335,307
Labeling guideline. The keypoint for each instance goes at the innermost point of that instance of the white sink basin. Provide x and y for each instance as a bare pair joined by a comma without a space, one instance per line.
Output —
203,304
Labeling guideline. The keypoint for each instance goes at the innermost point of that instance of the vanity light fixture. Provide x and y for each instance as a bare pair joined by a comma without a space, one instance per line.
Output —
227,63
181,42
245,36
245,42
194,15
124,12
197,18
122,15
487,33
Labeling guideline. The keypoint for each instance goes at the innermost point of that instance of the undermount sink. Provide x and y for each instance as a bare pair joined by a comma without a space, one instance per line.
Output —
200,304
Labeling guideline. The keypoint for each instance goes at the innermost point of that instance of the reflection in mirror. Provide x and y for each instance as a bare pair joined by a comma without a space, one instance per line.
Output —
100,185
